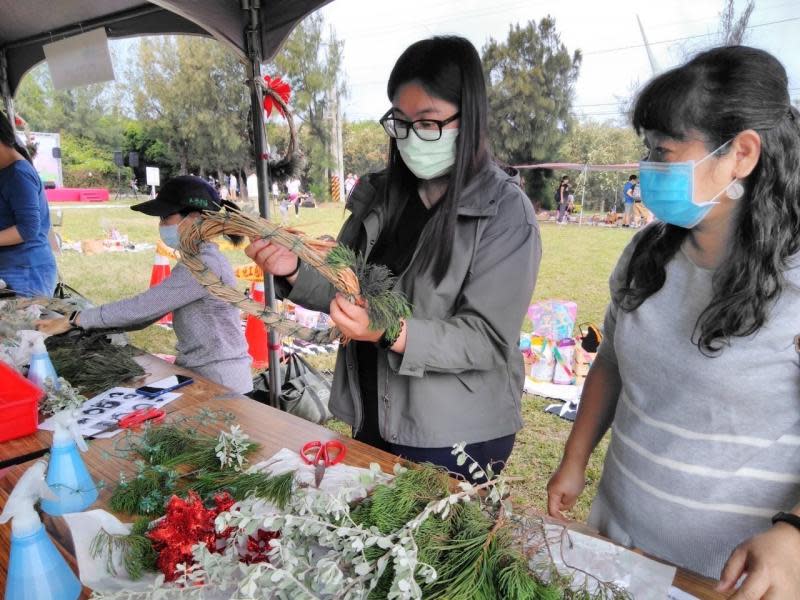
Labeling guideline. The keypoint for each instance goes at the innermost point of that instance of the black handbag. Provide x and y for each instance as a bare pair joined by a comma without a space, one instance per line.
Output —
305,392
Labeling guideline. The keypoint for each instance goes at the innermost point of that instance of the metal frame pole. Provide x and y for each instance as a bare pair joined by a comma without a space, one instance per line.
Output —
253,37
583,191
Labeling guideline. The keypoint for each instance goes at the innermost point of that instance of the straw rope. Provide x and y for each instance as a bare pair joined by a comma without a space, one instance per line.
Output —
211,225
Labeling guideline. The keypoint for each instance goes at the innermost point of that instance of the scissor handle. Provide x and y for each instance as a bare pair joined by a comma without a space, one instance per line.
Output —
142,415
338,454
331,452
315,448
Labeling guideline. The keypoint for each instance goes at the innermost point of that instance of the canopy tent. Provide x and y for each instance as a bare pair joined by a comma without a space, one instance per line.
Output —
585,169
253,29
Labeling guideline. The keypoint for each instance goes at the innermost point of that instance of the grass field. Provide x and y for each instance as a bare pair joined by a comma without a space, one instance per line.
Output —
575,265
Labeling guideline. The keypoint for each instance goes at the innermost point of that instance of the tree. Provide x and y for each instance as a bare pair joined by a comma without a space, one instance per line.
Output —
191,93
313,68
530,77
366,147
733,30
603,144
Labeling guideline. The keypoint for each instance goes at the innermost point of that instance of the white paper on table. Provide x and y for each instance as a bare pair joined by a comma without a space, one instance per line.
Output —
104,410
643,578
677,594
86,525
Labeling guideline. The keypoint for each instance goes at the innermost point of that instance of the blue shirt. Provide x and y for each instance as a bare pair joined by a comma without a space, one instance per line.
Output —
628,187
23,203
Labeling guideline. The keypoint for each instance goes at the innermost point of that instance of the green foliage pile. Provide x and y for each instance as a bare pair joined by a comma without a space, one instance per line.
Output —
473,552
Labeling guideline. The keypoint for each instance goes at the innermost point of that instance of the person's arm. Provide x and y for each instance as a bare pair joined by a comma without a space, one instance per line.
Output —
176,291
23,199
10,236
595,415
769,561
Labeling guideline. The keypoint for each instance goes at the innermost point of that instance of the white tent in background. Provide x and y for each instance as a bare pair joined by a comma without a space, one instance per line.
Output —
584,169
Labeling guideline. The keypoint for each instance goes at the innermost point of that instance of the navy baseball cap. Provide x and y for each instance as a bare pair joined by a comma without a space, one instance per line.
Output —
181,193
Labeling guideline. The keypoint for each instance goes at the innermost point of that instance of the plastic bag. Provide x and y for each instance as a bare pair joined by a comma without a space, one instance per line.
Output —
553,319
305,392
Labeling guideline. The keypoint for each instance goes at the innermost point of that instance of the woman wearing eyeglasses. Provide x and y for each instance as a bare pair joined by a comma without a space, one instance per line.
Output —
462,238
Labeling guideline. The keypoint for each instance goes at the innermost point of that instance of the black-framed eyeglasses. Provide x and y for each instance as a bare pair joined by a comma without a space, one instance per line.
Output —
428,130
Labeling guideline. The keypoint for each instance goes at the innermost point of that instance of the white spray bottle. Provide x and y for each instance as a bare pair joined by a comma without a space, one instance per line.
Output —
67,474
35,568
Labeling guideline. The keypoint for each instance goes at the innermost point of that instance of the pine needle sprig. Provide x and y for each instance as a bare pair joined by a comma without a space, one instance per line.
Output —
385,306
172,446
135,548
275,488
146,493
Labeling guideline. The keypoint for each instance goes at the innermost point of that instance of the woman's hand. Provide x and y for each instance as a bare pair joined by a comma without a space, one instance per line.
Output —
272,258
352,320
53,326
564,487
771,561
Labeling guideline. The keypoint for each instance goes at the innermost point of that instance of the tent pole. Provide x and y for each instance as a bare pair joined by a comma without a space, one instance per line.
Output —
5,90
583,191
253,37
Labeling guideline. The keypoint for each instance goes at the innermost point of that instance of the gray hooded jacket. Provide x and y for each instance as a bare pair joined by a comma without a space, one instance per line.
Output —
461,375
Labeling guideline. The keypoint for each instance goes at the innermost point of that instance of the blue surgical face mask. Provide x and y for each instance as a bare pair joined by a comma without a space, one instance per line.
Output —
667,189
427,159
170,236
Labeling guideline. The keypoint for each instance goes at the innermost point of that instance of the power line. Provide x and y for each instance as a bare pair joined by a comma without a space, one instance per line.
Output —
681,39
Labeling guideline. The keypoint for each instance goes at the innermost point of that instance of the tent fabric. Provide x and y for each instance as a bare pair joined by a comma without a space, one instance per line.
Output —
27,25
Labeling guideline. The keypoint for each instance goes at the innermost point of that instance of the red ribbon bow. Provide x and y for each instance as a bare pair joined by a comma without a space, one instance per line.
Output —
281,88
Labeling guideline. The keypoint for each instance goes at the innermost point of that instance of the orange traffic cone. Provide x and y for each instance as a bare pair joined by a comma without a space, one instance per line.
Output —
161,270
256,332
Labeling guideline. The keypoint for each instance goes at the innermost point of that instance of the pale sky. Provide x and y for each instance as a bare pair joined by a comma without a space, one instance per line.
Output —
375,33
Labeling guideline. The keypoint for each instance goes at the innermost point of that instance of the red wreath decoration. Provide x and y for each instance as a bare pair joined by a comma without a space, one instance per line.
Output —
186,524
281,88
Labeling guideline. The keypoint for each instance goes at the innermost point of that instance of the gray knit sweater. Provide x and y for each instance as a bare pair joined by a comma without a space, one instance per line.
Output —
209,331
704,450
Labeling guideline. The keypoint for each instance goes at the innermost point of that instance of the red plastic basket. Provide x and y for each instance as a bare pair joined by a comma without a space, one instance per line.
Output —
19,404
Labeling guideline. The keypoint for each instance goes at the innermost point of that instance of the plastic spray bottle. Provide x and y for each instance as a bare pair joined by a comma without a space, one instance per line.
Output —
35,568
41,367
67,475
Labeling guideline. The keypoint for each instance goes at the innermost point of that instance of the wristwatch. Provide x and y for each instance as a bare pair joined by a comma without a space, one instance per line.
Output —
387,341
789,518
73,317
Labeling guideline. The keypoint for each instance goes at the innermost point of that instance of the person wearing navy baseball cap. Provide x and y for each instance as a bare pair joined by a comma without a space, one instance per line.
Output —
209,335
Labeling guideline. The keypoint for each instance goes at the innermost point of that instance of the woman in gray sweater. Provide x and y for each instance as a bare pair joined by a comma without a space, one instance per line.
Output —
698,375
209,332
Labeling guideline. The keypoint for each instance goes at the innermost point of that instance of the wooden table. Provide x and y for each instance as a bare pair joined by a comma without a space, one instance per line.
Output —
31,446
269,427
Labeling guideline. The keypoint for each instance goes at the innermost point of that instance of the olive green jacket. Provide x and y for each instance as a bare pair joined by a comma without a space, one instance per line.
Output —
461,375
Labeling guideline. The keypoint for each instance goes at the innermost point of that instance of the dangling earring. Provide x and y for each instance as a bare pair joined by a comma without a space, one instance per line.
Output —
735,190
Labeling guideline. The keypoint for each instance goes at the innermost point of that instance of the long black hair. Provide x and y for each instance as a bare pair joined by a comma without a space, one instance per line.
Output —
7,137
449,68
720,93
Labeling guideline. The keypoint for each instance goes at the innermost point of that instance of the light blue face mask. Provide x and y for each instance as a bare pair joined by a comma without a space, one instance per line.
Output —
170,236
427,159
667,189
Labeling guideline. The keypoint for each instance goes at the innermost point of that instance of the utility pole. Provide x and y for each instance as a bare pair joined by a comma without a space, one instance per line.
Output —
336,152
653,66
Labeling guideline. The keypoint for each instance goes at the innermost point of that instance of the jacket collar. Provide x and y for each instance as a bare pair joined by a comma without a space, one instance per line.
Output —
479,198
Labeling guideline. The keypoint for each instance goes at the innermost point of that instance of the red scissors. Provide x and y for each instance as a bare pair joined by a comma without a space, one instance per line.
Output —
135,419
323,455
